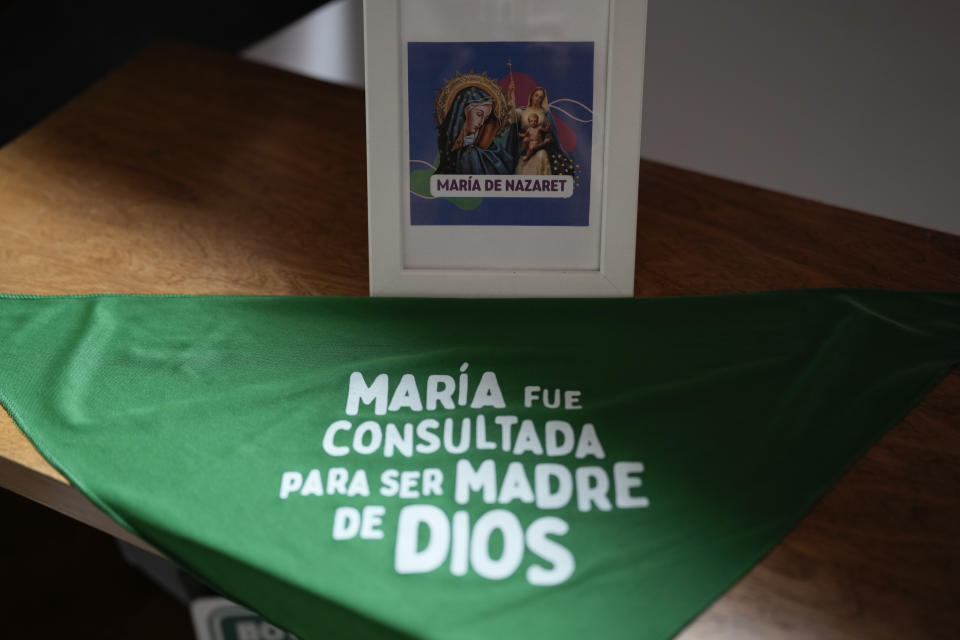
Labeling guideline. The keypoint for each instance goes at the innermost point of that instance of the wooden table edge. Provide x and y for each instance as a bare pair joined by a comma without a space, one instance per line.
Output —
57,493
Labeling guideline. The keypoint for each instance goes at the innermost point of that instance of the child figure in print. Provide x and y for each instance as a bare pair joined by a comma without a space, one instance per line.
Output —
536,137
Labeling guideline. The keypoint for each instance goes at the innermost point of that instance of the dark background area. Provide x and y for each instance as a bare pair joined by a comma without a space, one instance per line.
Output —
50,51
64,579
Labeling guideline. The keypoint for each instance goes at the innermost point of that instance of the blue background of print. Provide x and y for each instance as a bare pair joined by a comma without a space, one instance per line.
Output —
564,69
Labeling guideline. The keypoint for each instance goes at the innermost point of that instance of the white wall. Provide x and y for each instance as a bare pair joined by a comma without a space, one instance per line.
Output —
326,44
851,102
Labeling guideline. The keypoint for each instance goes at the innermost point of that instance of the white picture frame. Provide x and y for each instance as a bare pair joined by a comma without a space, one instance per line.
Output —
504,260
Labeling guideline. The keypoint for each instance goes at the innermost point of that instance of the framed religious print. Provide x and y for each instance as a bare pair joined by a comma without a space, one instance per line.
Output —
503,141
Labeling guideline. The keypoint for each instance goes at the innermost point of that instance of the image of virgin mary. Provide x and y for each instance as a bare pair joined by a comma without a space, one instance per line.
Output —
472,113
550,158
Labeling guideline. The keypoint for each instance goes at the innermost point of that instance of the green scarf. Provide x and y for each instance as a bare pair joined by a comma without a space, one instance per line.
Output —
466,468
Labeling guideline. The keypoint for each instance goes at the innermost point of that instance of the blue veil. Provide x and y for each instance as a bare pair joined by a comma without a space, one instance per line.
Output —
496,158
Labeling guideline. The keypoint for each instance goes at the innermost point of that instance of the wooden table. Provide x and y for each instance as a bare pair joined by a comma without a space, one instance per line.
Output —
188,171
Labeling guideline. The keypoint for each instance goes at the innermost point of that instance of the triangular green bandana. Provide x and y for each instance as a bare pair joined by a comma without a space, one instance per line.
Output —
468,468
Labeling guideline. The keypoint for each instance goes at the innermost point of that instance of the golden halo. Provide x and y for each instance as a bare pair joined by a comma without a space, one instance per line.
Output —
450,90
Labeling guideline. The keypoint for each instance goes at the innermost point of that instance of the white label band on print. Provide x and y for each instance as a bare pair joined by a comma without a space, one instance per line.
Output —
498,186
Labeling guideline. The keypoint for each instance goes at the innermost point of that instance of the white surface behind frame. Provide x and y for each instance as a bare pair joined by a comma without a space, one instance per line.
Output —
386,189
